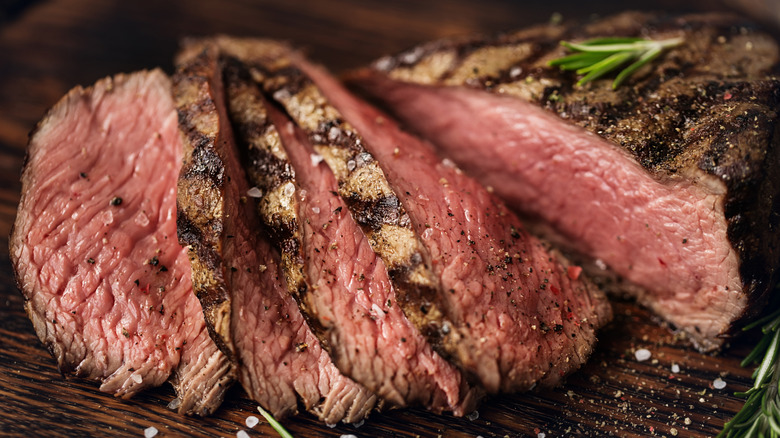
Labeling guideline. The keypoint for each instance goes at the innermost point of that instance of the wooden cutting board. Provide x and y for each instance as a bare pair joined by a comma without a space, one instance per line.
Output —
47,47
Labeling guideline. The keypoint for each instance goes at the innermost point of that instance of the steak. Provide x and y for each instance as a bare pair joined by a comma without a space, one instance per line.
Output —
94,249
670,181
489,296
339,282
236,274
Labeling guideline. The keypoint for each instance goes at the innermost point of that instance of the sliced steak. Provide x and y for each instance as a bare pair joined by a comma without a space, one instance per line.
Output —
236,274
670,180
518,317
340,282
107,286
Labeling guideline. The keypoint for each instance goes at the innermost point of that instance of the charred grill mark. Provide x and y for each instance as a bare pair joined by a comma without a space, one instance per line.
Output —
373,214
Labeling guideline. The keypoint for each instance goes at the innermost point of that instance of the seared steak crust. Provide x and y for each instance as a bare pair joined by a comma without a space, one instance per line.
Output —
235,272
706,111
201,191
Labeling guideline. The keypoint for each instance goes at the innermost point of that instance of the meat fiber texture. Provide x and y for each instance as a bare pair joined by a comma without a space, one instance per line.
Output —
330,267
670,181
236,274
107,286
514,315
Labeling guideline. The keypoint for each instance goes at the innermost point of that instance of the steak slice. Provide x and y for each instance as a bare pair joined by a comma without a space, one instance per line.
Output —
236,274
670,180
331,269
107,286
518,317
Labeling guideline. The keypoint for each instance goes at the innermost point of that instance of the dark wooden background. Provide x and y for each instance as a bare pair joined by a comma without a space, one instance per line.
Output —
47,47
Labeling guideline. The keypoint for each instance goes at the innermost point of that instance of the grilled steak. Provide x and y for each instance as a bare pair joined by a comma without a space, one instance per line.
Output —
94,248
508,312
236,274
668,180
338,280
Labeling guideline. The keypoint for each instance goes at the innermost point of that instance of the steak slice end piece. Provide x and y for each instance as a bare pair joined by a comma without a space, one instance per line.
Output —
94,247
669,180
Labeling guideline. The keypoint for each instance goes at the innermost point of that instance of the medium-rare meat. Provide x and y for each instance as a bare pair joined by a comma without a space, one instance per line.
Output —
236,274
670,180
331,269
512,314
107,286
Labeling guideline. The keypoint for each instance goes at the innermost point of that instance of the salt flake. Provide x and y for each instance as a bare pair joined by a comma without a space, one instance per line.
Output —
137,378
473,416
675,368
251,421
642,354
254,192
718,383
242,434
541,435
175,403
150,432
348,435
288,189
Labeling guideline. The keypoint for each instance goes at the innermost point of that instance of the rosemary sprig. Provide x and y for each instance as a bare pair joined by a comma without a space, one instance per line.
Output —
760,416
275,424
597,57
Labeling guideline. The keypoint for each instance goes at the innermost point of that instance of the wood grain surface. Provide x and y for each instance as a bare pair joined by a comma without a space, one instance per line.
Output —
47,47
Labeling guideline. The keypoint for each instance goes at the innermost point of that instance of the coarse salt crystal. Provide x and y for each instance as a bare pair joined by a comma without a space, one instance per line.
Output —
315,210
334,133
642,354
718,383
242,434
289,189
251,421
384,63
254,192
473,416
359,423
541,435
351,164
316,159
675,368
150,432
348,435
137,378
331,425
282,94
175,403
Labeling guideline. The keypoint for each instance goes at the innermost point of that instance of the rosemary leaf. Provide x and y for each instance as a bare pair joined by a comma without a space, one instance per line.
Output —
760,415
275,424
599,56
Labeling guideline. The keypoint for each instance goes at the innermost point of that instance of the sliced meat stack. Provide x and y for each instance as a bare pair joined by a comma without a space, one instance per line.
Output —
236,274
668,181
107,286
489,297
340,283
